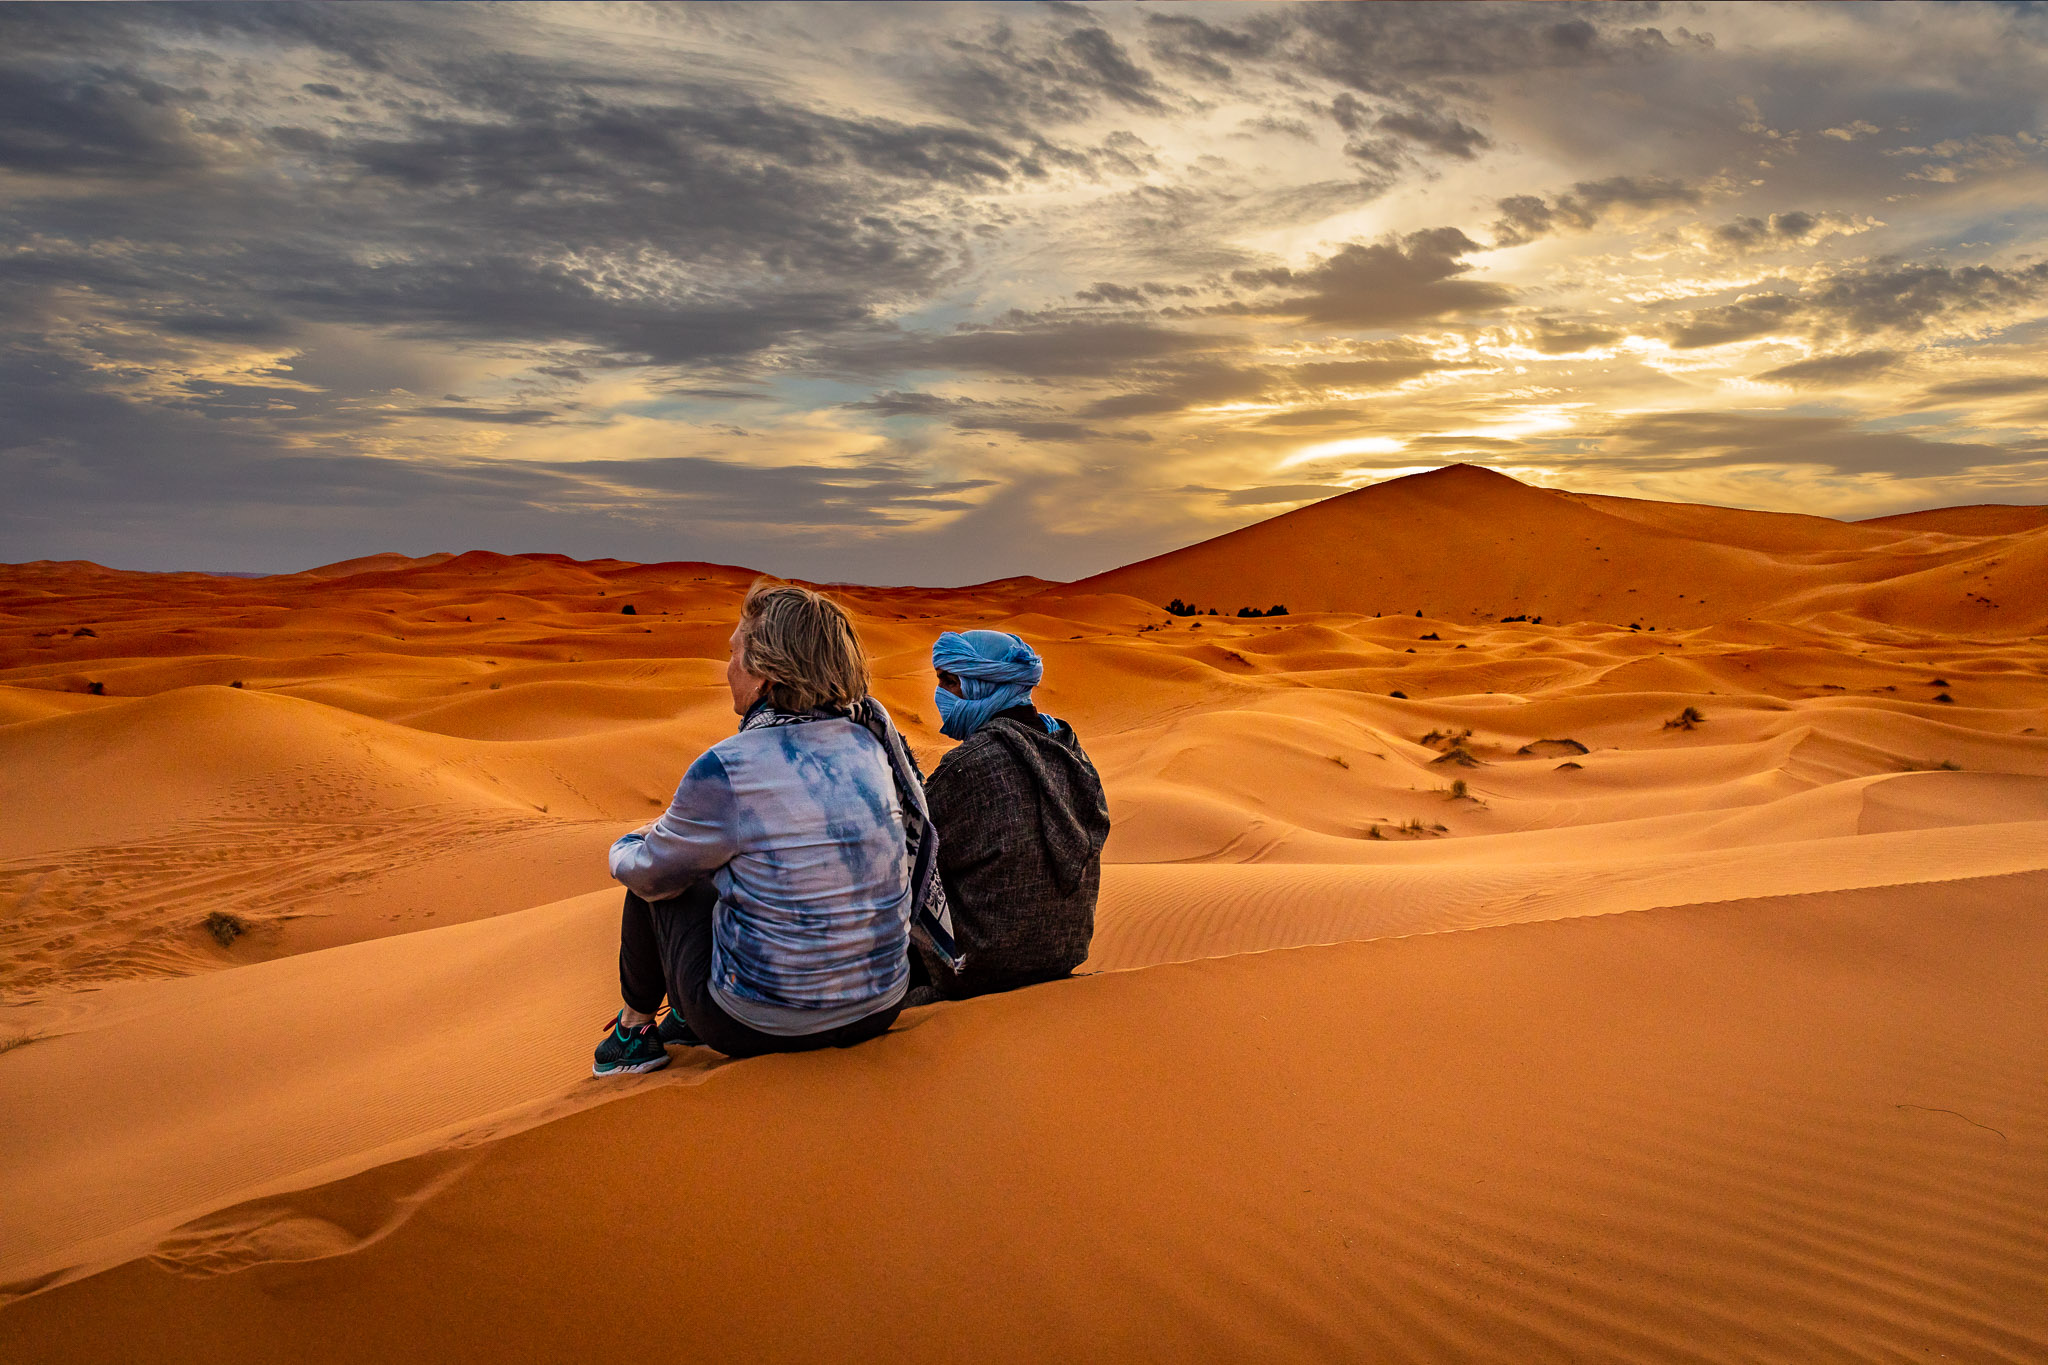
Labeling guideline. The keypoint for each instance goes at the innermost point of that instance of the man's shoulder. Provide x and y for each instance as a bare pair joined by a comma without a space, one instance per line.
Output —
980,750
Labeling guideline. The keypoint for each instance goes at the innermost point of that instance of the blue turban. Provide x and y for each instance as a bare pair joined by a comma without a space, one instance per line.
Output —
996,670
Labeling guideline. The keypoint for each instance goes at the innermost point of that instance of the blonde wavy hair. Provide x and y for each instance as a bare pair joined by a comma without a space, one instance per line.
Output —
805,646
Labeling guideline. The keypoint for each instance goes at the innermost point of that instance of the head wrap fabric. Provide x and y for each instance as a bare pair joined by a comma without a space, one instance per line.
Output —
997,671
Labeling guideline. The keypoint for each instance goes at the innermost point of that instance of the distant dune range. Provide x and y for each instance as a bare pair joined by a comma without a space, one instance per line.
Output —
1703,1022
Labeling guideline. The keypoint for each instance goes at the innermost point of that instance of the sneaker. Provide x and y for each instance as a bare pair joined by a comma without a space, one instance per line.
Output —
674,1031
628,1048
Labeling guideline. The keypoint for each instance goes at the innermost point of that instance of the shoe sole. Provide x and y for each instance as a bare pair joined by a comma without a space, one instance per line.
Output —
652,1064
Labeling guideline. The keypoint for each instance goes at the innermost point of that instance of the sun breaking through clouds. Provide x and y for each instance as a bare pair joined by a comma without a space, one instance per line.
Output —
946,292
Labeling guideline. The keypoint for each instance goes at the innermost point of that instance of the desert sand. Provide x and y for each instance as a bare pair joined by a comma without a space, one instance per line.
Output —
1704,1021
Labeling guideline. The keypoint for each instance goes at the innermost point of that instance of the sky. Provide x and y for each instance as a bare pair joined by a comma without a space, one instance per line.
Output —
940,293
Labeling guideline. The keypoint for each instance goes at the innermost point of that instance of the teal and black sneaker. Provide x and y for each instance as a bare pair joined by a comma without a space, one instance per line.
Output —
673,1029
628,1048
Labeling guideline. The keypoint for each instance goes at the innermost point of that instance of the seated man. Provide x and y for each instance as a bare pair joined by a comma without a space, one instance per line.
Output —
1021,820
772,903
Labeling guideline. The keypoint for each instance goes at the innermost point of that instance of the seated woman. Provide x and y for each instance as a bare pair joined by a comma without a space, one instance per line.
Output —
772,902
1021,821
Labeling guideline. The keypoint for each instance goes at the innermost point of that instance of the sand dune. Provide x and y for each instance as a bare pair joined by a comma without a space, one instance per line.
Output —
1463,542
1646,1137
1464,988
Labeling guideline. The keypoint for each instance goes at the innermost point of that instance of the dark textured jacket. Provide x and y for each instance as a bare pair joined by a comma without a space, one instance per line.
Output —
1021,820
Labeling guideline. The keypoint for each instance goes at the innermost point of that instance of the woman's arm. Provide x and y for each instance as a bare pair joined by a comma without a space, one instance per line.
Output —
693,837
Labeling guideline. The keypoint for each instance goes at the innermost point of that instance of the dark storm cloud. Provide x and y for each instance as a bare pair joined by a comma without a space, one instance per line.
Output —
1683,440
1829,370
1408,279
1525,217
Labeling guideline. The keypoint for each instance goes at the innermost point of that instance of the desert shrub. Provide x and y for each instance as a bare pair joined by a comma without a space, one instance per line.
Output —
1939,696
236,683
628,610
226,928
1685,720
1402,695
1937,682
97,689
1546,748
1276,611
1431,636
1459,791
1179,608
85,633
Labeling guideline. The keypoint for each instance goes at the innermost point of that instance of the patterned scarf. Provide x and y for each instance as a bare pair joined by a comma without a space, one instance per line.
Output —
931,917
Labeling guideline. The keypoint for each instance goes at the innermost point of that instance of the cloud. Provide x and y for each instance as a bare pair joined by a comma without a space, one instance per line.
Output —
875,493
1200,48
513,417
1438,132
1283,492
1679,440
1376,372
1313,417
1778,231
1560,337
1863,301
1393,48
1184,385
1998,386
1525,217
1021,344
1415,278
1829,371
1021,78
251,247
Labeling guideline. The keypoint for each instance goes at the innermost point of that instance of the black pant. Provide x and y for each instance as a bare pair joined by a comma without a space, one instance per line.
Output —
665,949
951,985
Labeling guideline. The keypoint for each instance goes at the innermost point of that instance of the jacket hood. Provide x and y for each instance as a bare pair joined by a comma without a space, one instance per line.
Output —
1073,815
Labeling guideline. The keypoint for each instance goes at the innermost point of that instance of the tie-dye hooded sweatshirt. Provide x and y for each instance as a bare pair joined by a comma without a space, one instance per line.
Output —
801,830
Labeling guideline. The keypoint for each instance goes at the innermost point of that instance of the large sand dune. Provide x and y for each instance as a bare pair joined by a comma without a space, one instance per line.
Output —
1707,1041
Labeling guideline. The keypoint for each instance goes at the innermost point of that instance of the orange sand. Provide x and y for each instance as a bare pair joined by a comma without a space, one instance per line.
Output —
1479,1109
